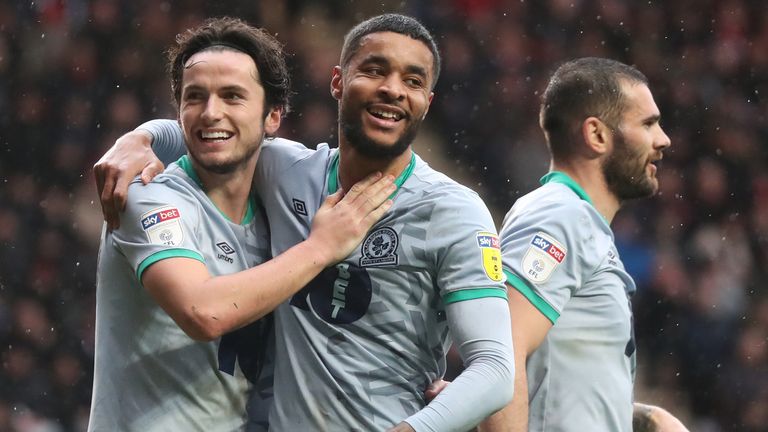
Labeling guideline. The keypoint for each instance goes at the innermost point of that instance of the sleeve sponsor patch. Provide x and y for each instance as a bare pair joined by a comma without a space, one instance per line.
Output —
543,256
163,226
490,248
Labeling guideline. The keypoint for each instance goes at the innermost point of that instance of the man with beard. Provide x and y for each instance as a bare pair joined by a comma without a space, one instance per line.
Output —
356,348
569,293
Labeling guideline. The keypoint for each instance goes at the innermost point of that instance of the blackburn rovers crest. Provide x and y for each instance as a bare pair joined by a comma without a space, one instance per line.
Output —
379,248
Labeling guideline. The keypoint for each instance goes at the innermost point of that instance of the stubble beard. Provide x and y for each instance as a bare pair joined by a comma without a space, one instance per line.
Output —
624,173
351,126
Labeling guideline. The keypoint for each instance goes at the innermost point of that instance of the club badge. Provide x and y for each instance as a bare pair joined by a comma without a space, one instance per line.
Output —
379,248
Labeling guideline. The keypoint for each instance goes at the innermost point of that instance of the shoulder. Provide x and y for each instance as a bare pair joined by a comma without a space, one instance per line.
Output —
551,218
551,204
430,184
279,154
171,189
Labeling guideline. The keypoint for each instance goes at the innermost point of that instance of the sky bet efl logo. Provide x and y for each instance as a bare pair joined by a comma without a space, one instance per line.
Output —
548,247
491,255
487,240
542,258
159,217
163,226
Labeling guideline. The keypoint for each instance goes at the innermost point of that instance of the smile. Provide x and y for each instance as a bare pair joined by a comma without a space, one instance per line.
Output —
386,114
215,135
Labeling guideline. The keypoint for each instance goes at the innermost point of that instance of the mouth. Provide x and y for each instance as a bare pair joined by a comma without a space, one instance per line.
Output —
386,113
214,136
654,164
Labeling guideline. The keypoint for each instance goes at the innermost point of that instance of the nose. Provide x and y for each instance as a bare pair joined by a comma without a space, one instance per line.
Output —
213,110
663,141
392,87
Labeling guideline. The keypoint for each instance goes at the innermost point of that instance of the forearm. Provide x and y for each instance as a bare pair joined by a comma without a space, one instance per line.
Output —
480,329
225,303
513,417
167,139
206,306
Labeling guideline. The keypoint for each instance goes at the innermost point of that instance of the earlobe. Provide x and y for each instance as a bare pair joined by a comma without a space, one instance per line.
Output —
336,83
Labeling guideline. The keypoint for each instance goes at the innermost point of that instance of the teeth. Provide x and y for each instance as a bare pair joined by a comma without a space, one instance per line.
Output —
216,135
386,114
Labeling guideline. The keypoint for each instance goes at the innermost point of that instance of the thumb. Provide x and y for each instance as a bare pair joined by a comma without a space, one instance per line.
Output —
151,170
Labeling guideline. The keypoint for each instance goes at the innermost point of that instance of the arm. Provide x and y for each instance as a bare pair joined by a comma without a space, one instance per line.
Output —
132,155
529,327
480,329
649,418
206,307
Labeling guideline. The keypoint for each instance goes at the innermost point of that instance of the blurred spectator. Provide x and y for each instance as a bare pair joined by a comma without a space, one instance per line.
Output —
76,74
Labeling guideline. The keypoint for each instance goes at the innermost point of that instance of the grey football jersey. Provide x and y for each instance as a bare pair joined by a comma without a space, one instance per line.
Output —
358,345
559,252
149,375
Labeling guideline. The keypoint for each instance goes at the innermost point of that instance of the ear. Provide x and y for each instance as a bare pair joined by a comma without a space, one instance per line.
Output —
429,104
598,137
272,121
337,85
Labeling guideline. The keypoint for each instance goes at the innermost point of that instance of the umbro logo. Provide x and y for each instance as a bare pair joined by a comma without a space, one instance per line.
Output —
299,207
227,249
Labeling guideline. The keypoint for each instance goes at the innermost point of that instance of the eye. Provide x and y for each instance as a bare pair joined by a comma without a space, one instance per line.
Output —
232,96
374,70
193,95
414,82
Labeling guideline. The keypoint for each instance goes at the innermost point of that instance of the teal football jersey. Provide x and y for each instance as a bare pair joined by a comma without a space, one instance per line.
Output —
149,375
558,251
361,342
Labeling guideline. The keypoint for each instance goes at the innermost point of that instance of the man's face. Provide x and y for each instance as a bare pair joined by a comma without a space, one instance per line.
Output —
222,110
638,143
384,94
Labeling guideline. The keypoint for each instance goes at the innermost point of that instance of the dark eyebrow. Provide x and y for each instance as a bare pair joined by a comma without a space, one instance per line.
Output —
234,88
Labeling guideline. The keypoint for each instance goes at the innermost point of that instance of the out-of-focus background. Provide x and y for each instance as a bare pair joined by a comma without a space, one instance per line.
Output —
75,74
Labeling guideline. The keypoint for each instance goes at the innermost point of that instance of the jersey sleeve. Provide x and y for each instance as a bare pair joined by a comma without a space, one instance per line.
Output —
543,254
463,236
158,223
167,139
275,157
480,331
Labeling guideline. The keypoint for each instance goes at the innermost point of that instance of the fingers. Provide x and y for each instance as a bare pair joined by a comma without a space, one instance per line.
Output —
106,187
376,214
333,199
367,195
362,186
435,387
152,169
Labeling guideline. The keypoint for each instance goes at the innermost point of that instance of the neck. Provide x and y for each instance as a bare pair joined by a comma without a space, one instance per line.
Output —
589,175
229,192
354,167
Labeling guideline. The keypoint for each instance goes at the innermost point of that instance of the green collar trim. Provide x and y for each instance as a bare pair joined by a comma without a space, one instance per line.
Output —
561,177
186,165
333,174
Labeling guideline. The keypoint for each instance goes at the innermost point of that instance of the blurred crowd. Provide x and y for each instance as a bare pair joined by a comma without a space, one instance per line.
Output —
75,74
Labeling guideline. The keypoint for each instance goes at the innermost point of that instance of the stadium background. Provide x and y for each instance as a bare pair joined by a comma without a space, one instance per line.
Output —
74,74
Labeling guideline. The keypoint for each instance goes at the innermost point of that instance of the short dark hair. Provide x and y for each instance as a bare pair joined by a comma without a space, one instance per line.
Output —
395,23
579,89
228,33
